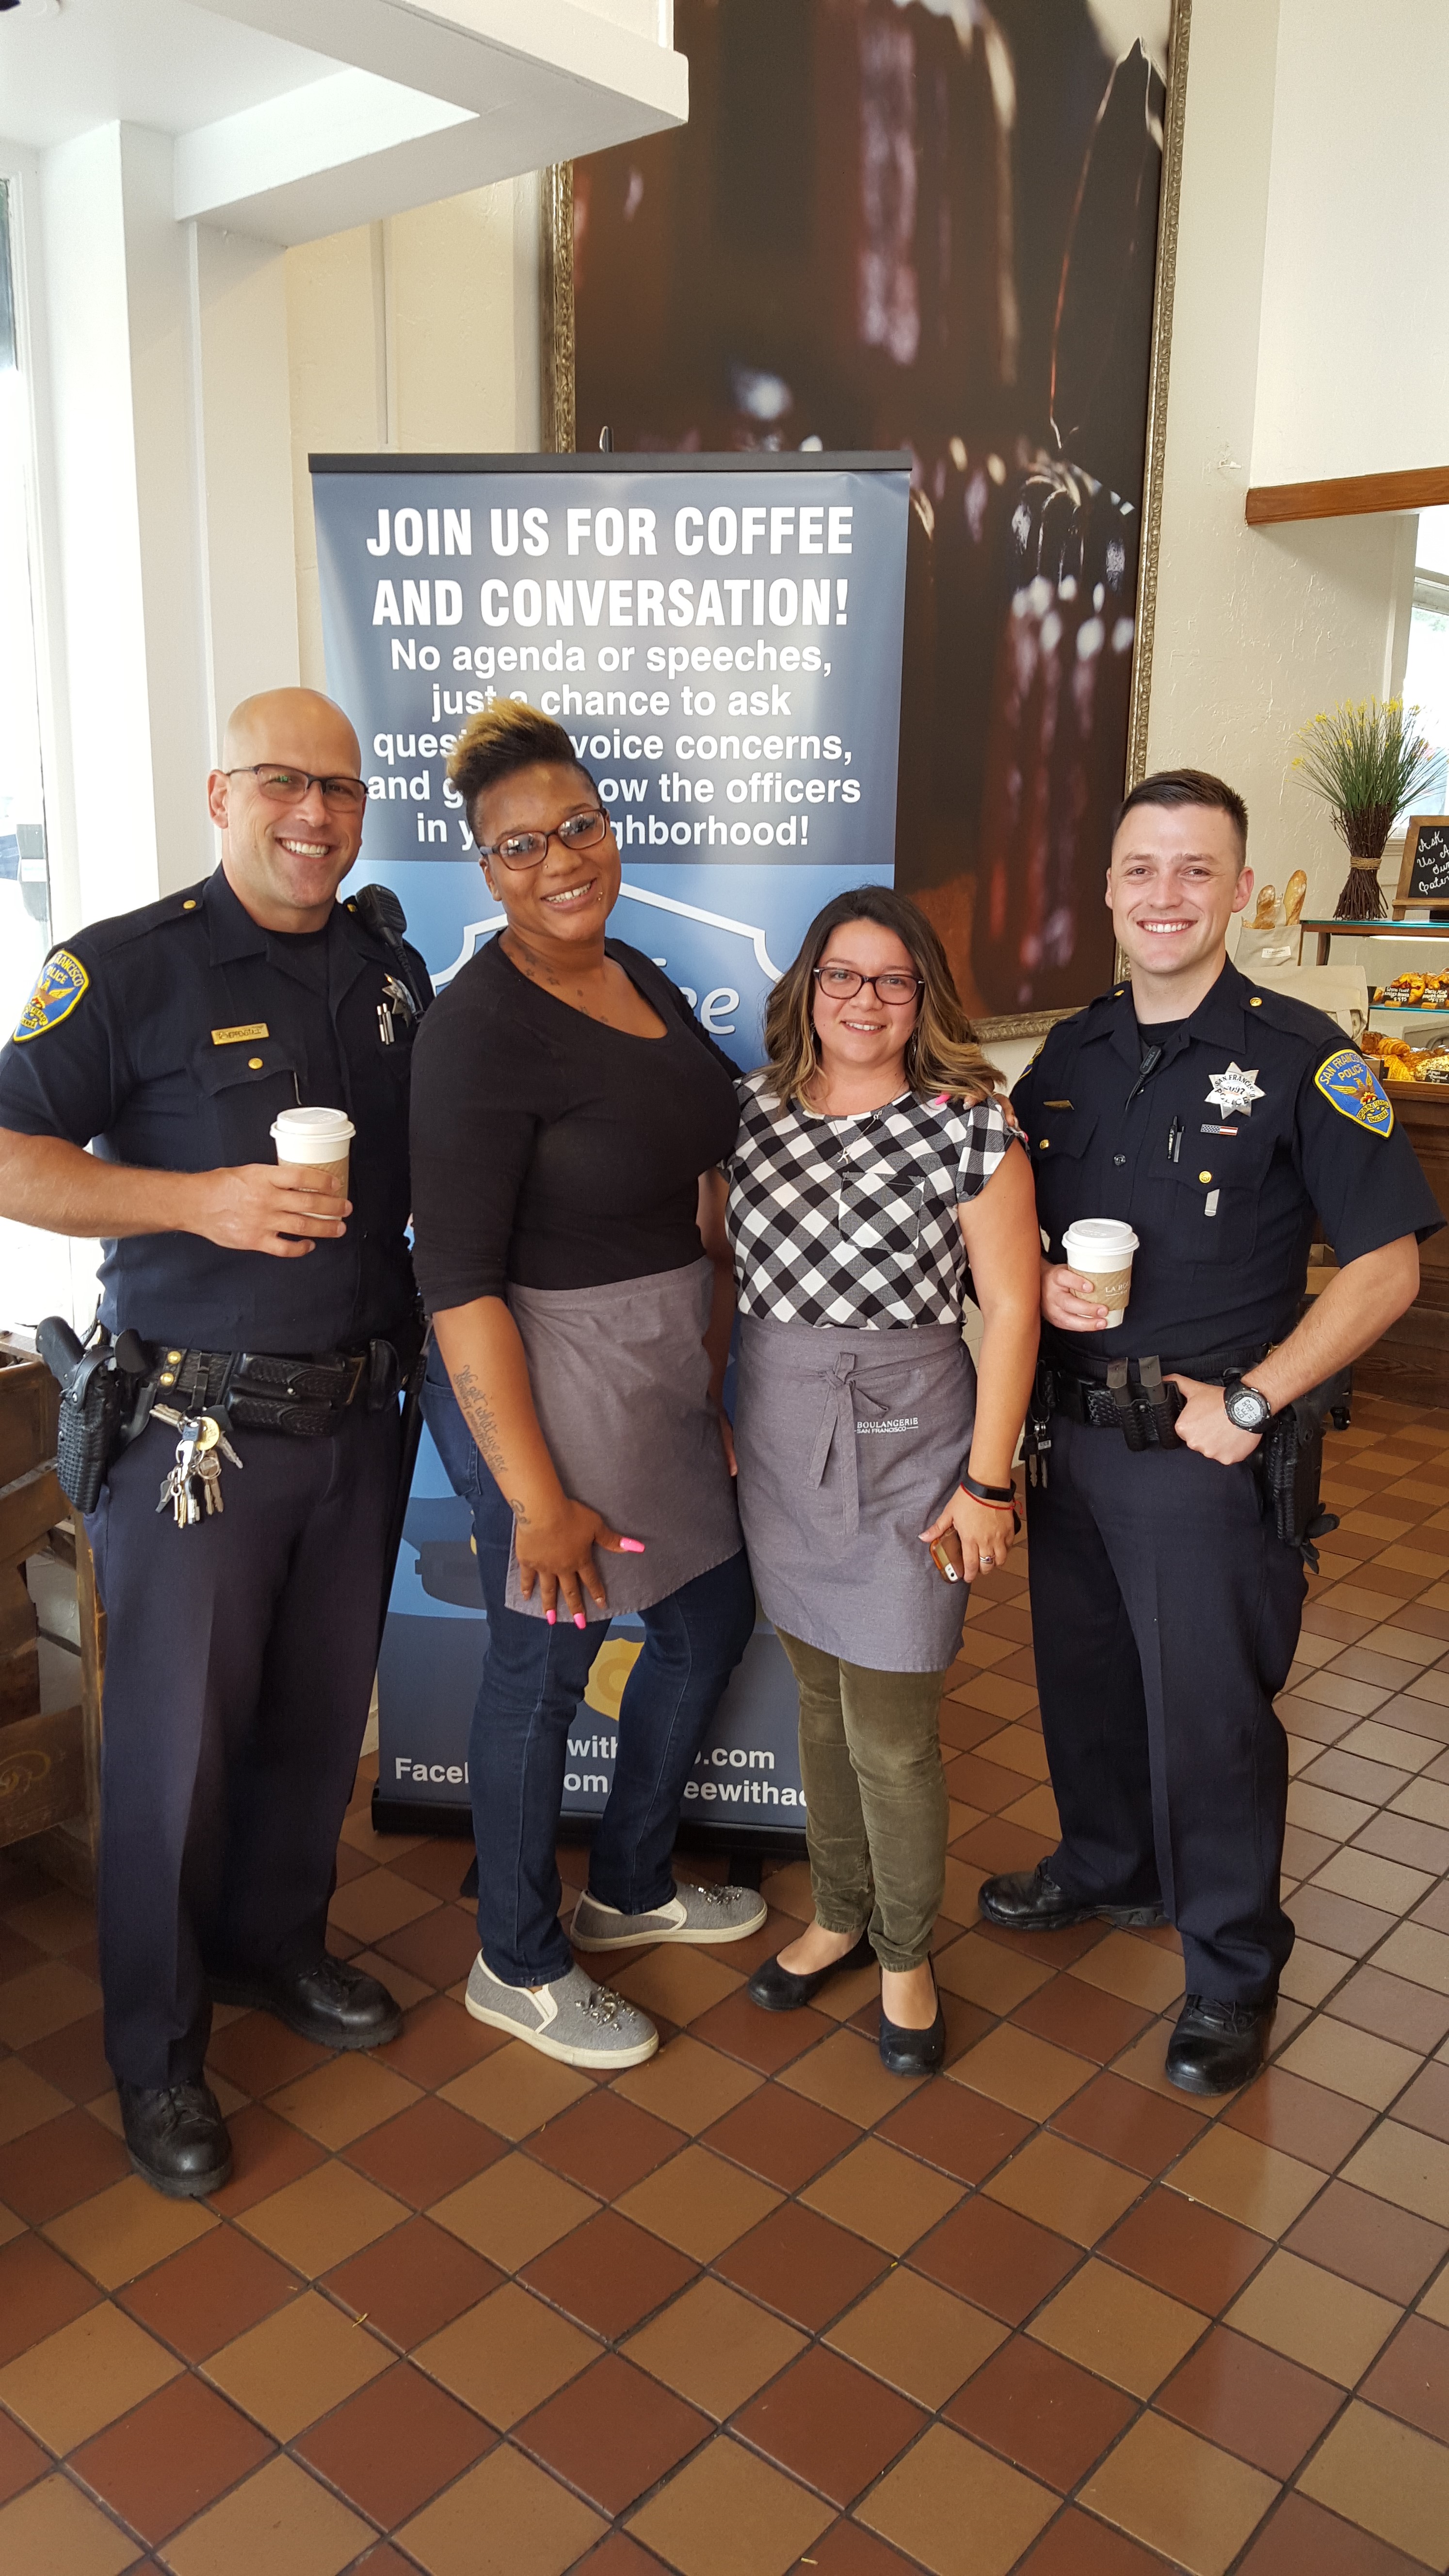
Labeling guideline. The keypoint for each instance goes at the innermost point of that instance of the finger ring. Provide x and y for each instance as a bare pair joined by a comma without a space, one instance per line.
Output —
988,1560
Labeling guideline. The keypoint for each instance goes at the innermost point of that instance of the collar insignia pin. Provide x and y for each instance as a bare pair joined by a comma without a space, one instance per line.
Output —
1235,1090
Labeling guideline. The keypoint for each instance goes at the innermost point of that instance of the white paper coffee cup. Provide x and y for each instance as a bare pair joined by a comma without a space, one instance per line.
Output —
1101,1248
313,1141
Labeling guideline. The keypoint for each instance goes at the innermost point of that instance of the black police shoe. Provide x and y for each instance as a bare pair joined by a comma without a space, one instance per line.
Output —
1031,1901
331,2002
777,1989
176,2138
913,2052
1216,2047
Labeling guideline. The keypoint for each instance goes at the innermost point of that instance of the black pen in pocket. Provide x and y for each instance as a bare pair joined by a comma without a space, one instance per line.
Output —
1174,1140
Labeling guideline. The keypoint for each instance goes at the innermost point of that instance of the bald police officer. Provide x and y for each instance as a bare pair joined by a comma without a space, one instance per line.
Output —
1217,1119
240,1651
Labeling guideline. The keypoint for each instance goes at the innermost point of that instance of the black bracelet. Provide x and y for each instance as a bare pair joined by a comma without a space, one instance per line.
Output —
985,1493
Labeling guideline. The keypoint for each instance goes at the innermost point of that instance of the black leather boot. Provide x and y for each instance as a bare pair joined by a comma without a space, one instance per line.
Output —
1216,2047
1031,1901
331,2002
777,1989
176,2138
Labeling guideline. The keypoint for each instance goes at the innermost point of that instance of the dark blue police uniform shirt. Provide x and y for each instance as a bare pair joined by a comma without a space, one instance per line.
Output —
1222,1191
170,1037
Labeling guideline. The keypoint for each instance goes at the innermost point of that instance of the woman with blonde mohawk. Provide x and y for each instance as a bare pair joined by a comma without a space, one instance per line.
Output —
569,1121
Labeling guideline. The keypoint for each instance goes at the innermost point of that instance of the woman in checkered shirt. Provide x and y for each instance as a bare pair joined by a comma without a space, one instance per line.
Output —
873,1163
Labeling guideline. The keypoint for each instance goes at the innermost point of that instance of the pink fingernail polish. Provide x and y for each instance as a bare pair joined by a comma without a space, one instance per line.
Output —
552,1617
632,1546
579,1620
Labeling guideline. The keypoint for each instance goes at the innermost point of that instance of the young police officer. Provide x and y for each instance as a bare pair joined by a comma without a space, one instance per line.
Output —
240,1649
1218,1120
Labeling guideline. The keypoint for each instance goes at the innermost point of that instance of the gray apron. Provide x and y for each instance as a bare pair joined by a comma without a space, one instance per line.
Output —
849,1444
621,1388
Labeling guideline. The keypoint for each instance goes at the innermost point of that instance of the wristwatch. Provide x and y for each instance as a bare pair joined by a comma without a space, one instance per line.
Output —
1246,1407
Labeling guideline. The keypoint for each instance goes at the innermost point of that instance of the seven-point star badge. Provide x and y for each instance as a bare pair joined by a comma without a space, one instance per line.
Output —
1235,1090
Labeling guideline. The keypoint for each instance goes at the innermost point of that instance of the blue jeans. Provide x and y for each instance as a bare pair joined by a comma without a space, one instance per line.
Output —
533,1680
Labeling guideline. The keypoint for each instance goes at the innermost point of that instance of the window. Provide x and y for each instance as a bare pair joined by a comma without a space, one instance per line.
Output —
1426,677
24,881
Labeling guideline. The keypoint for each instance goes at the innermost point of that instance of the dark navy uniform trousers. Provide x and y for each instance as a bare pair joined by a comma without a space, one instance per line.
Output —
1165,1615
239,1663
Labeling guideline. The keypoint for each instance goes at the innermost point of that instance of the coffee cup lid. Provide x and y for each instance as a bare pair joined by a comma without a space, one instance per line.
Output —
1100,1234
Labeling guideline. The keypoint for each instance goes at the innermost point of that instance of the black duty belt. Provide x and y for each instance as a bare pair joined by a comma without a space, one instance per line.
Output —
1130,1395
267,1391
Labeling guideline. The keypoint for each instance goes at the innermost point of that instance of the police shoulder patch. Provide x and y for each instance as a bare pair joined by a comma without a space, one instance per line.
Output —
62,981
1355,1092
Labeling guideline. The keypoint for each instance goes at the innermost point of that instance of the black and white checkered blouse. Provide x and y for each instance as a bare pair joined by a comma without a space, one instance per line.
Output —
852,1221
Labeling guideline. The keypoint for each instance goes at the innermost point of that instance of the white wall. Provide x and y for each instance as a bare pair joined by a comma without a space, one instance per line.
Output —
1353,371
1256,628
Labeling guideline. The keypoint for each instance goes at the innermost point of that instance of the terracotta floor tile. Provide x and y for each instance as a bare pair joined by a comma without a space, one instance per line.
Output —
281,2520
923,2339
258,2053
438,2040
379,1903
882,2195
54,2527
616,2555
267,2154
27,2101
43,1999
342,2099
1331,2053
690,2085
1026,2074
1256,2404
728,2510
845,2075
1122,2329
947,2488
802,2266
38,2295
51,2168
171,2458
613,2433
714,2347
395,2444
1387,1884
1180,2495
699,2203
413,2282
74,2059
1078,2545
209,2293
21,2460
511,2212
127,2229
1135,2128
1403,2165
82,2377
962,2132
997,1845
505,2518
428,2151
677,1984
1254,2184
764,2040
1041,2411
317,2222
1078,2017
847,2550
297,2364
1370,2241
1387,2477
606,2144
1001,2262
1065,2188
1135,1971
827,2423
1426,2104
506,2355
609,2274
439,1947
516,2090
781,2136
1337,1922
1301,2119
1190,2252
1411,2379
984,1973
1301,2535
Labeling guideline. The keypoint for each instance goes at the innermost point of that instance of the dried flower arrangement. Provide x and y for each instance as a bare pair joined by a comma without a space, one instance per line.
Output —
1368,761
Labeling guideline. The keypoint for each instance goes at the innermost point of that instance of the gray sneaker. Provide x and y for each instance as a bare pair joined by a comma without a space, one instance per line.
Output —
694,1914
572,2019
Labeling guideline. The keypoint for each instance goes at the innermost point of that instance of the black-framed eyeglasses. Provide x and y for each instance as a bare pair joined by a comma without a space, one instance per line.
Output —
289,786
842,983
526,849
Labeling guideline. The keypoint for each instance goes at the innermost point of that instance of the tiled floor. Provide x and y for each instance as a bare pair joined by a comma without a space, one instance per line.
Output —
757,2306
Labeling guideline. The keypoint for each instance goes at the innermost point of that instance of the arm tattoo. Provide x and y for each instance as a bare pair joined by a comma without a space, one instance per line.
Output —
479,1417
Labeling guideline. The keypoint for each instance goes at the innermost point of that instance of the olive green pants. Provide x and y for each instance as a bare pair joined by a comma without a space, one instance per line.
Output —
875,1800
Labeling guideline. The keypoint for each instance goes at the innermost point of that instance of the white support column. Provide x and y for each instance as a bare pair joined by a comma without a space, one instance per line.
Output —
245,431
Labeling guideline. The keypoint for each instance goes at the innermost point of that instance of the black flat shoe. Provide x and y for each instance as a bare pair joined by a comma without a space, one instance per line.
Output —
1030,1901
331,2002
1216,2047
777,1989
176,2138
913,2052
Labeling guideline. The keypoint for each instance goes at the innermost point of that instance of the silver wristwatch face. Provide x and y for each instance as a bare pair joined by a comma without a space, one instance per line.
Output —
1247,1408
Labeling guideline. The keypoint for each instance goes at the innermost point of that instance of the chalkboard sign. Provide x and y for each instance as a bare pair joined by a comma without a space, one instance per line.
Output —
1424,876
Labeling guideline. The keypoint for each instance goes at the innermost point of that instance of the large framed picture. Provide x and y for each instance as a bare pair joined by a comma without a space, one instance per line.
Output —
945,227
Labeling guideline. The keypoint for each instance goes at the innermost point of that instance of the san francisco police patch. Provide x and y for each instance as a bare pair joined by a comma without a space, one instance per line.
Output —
1355,1092
63,979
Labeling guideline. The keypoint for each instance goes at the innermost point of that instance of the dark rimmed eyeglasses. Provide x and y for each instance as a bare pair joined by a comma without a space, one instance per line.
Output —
842,983
289,786
526,849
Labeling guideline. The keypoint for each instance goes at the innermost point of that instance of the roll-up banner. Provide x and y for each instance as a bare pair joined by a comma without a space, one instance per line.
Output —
720,636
